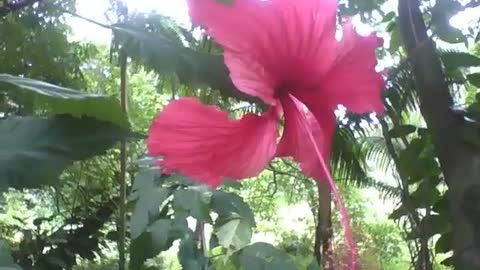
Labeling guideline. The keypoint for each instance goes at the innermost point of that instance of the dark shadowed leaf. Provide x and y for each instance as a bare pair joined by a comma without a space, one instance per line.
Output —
150,196
263,256
401,131
398,213
60,100
444,243
34,151
453,60
157,238
474,79
226,204
190,257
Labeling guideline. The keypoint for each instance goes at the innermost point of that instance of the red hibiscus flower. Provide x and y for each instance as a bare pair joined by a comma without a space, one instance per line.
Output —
284,52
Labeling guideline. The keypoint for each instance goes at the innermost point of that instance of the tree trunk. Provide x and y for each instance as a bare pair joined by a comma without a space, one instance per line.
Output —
460,163
323,231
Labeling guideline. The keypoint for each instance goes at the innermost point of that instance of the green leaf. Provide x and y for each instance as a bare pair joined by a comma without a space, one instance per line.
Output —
474,79
441,14
263,256
157,238
60,100
149,198
234,234
454,60
190,257
398,213
35,151
402,130
194,202
431,225
226,204
444,243
158,52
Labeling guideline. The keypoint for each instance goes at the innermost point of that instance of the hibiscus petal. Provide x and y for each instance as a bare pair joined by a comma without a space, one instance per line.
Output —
295,140
201,142
352,80
271,43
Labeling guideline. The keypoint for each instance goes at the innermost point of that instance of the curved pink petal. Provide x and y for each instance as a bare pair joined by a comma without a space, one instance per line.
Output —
295,140
201,142
271,44
352,80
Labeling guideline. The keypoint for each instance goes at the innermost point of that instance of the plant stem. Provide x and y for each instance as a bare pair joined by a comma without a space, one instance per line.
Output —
123,167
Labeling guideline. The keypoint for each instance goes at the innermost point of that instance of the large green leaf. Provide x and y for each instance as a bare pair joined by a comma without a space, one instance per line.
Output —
149,198
159,52
474,79
158,237
189,256
263,256
193,201
34,151
61,100
226,204
234,234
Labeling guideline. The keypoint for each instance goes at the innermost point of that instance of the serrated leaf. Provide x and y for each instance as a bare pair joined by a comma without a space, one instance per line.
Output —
474,79
60,100
194,202
225,204
149,198
234,234
34,151
158,52
263,256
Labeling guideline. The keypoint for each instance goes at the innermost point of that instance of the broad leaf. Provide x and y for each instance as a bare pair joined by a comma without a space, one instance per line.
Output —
263,256
35,151
157,238
454,60
234,234
61,100
158,52
192,201
149,198
226,204
474,79
190,257
401,131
